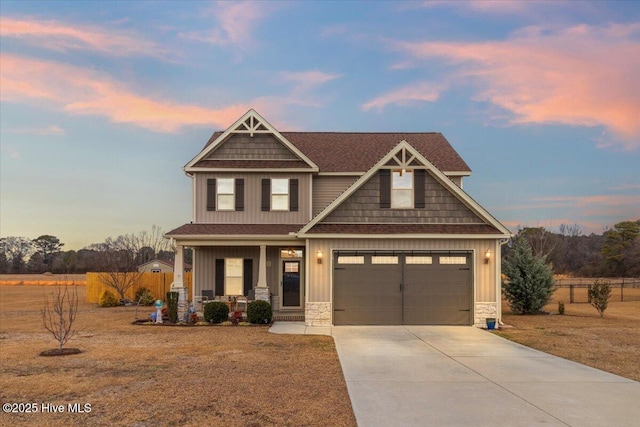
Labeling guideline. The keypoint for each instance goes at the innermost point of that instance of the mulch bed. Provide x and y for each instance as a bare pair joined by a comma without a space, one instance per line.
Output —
60,352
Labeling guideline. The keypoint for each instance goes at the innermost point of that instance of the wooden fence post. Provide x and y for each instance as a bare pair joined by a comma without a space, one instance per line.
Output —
570,294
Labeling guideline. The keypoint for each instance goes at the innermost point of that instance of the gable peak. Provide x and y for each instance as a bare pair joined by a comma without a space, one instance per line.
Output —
252,123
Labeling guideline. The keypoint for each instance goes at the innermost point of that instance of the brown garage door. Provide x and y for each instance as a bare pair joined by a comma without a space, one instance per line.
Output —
402,288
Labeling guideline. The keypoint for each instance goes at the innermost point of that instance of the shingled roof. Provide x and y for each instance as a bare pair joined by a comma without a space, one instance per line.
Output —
359,151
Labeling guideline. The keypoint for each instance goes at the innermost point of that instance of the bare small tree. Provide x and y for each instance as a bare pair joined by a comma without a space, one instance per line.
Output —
59,314
120,281
118,270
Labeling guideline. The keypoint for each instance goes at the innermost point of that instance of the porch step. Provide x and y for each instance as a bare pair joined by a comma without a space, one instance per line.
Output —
288,317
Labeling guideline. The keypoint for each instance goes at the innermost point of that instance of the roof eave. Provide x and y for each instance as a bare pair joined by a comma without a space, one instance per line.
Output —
429,236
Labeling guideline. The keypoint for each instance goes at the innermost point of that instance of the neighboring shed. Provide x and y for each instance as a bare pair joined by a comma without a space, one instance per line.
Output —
160,266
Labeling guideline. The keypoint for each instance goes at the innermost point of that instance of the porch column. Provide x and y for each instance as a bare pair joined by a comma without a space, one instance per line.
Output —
178,284
262,290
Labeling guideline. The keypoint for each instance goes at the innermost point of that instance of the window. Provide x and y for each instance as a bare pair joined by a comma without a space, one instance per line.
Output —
291,253
279,194
384,260
351,259
233,281
456,260
402,189
419,260
226,195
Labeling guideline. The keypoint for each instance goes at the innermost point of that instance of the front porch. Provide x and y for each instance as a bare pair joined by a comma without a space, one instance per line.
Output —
233,270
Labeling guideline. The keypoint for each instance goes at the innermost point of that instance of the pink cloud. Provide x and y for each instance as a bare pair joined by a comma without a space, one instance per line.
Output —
61,37
406,95
489,6
582,75
236,22
608,201
85,92
585,201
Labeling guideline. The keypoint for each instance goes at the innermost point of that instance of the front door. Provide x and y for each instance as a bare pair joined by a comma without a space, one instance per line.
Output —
291,283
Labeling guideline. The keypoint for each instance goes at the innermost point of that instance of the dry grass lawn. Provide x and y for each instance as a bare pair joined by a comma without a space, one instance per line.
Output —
155,375
610,343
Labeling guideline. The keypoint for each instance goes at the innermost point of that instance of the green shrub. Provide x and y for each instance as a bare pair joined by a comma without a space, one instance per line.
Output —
172,305
108,299
259,312
144,296
529,283
216,312
599,294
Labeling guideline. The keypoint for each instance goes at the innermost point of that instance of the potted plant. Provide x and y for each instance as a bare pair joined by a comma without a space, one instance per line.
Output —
491,323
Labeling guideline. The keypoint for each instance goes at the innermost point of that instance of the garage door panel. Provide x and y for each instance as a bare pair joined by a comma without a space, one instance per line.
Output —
367,294
435,293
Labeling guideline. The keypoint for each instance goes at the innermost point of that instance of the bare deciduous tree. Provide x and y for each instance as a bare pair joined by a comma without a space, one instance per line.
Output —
16,249
59,314
119,271
542,242
573,230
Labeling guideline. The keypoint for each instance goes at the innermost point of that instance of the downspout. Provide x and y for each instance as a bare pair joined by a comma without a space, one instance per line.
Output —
501,243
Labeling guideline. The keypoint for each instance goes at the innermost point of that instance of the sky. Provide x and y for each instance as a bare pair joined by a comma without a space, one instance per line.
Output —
103,103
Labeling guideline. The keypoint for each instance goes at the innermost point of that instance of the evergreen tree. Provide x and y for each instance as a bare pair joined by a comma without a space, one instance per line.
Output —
529,283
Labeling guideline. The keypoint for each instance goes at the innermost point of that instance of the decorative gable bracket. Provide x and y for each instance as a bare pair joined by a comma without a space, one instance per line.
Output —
251,123
402,159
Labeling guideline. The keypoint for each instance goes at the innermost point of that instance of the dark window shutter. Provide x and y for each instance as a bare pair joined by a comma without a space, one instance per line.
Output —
239,194
247,275
418,188
266,194
219,277
293,195
211,194
385,188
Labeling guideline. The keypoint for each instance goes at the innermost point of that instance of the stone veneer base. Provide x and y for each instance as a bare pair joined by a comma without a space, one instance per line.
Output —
317,314
484,310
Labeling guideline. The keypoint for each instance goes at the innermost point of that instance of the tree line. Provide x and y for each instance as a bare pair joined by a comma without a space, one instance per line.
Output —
21,255
614,253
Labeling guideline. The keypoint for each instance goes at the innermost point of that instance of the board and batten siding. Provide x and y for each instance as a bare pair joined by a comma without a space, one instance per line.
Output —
204,276
252,213
484,275
205,258
327,188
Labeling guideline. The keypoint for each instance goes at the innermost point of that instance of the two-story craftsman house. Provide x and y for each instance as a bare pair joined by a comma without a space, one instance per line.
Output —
345,228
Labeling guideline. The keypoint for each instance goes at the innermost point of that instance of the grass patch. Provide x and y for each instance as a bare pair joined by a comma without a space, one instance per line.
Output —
137,375
610,343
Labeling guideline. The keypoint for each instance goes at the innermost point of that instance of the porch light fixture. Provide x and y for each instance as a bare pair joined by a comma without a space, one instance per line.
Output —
487,256
319,255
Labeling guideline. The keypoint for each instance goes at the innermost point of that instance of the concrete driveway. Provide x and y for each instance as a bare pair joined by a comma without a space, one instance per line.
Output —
464,376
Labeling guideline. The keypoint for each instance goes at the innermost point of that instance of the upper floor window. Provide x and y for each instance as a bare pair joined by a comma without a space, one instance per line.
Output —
402,189
225,194
280,194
